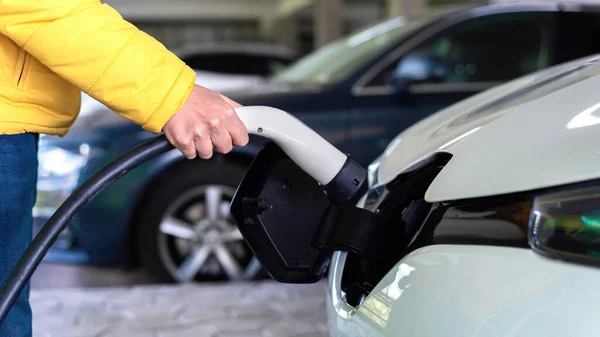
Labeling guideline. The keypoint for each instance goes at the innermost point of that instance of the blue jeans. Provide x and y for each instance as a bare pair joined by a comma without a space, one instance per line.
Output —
18,177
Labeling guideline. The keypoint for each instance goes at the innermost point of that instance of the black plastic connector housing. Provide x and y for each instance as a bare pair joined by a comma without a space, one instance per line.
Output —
293,226
348,185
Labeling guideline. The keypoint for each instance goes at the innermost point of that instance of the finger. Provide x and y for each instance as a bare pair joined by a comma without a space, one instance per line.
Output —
236,128
219,136
238,132
188,151
170,138
221,140
231,102
186,147
204,146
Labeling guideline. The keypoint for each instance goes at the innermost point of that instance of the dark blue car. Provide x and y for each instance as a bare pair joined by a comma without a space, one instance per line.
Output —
170,216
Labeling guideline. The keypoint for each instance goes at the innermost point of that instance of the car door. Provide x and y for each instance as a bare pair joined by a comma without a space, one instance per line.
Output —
456,62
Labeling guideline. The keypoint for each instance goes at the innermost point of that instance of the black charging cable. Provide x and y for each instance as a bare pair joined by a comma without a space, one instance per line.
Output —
36,251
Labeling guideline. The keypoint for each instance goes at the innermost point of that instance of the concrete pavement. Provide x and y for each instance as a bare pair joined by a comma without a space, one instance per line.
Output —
265,309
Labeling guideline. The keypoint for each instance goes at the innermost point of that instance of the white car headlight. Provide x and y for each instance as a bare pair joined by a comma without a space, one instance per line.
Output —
566,224
561,223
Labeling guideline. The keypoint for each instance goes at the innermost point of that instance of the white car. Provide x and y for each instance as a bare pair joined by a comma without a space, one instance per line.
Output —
482,220
500,197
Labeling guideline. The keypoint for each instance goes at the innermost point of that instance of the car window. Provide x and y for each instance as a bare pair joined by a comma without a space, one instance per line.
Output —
275,66
336,60
236,63
206,62
589,33
580,34
494,48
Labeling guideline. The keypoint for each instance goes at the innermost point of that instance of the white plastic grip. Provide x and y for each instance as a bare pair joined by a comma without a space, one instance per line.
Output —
304,146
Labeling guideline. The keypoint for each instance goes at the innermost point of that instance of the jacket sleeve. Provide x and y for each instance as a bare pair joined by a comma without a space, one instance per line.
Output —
89,44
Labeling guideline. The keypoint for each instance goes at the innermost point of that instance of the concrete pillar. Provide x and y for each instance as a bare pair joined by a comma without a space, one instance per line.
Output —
285,32
267,28
406,7
328,21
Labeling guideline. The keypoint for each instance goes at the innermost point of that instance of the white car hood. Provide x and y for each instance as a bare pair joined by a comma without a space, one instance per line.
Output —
547,137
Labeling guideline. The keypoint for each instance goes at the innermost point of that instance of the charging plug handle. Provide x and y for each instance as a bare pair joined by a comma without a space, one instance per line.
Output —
342,178
304,146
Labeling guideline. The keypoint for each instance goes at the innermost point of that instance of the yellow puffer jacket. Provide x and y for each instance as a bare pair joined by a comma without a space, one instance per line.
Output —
51,50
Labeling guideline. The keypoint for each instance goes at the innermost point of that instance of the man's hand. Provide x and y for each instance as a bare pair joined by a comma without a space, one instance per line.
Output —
206,119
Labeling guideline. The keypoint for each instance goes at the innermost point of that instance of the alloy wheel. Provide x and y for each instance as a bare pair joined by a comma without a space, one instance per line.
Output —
199,240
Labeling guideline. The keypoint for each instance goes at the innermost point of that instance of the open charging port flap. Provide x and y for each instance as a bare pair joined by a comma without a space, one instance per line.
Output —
292,227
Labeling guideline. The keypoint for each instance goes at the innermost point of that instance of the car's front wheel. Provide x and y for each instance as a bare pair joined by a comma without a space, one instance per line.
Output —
186,232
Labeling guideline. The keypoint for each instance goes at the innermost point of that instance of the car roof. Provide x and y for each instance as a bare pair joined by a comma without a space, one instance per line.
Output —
544,1
507,6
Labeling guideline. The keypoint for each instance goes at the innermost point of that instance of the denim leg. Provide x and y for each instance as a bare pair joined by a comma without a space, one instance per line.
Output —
18,176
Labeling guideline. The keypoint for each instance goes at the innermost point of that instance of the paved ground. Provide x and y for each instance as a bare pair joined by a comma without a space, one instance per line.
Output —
265,309
54,275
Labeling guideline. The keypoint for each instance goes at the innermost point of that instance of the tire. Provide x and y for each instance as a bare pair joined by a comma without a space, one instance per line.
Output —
184,194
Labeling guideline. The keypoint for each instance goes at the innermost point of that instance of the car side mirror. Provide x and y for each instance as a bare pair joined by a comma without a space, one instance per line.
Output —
418,69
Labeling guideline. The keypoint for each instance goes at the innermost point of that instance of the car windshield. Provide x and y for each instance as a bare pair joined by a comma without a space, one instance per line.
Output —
335,60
